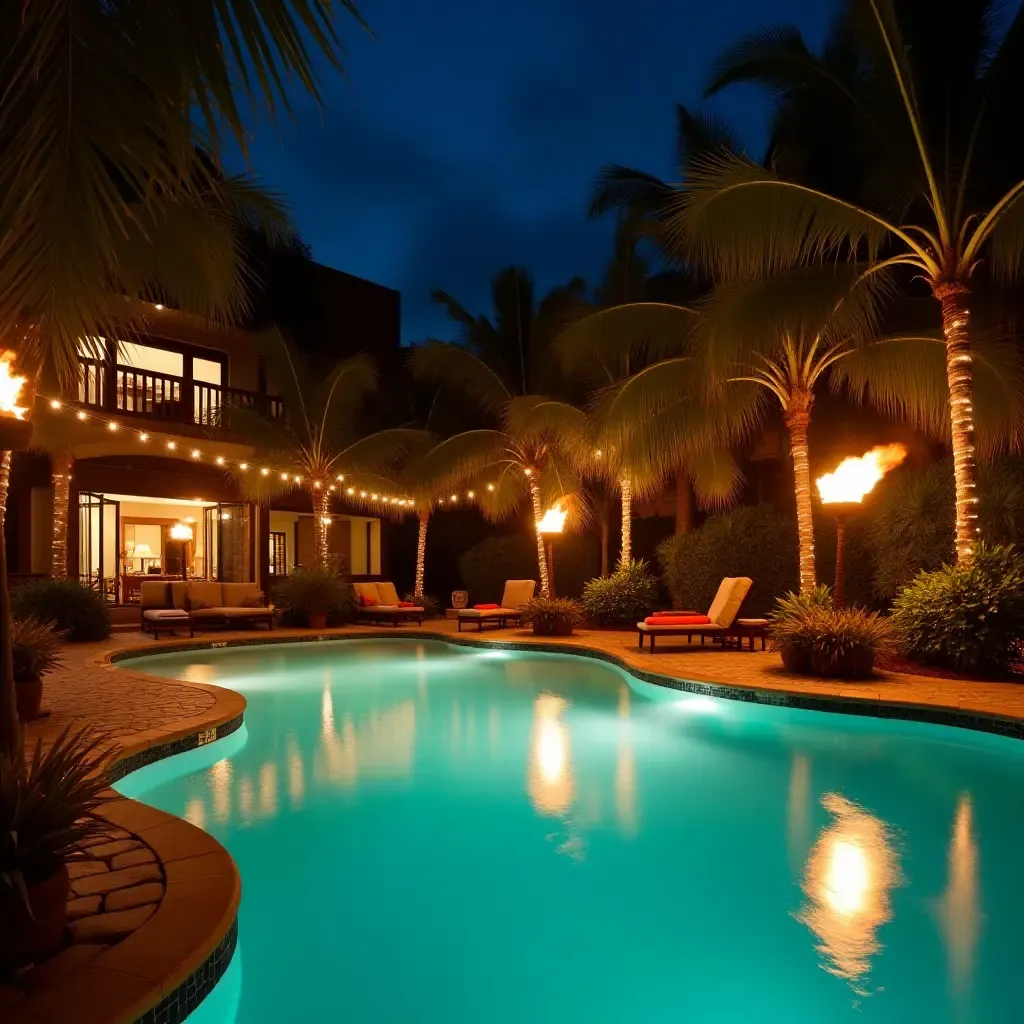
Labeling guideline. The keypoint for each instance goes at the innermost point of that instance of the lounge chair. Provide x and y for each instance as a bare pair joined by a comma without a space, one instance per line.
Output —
378,603
517,593
720,623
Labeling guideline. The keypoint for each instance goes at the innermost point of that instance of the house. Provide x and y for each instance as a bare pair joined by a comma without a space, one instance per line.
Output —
150,491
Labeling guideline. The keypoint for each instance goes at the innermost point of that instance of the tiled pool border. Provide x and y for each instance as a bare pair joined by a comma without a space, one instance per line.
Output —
864,706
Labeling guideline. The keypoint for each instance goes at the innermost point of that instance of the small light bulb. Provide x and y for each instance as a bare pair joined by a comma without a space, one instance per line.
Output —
220,460
54,404
81,415
243,465
143,436
362,494
111,426
528,471
341,476
172,445
470,494
195,453
159,305
284,476
490,487
316,484
373,497
455,497
265,471
298,479
351,490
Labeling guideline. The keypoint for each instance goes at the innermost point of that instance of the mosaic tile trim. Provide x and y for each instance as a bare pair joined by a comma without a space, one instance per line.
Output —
975,720
177,1005
159,751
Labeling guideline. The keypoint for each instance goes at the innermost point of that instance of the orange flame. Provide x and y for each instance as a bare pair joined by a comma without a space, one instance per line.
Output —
553,520
10,388
855,477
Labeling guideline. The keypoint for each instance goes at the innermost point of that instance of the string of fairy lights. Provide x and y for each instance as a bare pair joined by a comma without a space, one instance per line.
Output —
204,456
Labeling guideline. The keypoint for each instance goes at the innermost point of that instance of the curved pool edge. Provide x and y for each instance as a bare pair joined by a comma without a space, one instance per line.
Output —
161,972
864,706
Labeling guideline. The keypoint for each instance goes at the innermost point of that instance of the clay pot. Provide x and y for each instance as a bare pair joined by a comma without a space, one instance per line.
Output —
30,698
858,663
796,658
30,937
317,620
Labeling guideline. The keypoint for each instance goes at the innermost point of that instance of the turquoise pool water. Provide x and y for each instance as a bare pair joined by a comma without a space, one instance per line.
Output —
442,834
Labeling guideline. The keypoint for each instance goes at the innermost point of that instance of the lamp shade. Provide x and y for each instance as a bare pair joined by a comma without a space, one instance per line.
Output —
143,551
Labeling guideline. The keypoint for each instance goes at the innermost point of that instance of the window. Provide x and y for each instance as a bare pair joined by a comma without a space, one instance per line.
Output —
278,560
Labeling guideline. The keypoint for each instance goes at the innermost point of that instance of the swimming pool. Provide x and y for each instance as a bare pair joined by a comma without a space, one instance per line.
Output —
436,833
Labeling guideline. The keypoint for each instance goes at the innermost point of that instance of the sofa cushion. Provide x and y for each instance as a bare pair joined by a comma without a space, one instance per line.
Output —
387,593
490,613
729,599
154,594
179,594
236,594
485,607
366,594
165,614
205,594
517,593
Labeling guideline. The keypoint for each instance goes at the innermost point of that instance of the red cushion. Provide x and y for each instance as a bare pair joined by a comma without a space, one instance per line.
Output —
406,604
486,607
677,620
366,602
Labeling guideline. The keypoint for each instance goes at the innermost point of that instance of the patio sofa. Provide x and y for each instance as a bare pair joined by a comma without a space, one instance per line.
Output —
517,593
378,603
721,622
170,606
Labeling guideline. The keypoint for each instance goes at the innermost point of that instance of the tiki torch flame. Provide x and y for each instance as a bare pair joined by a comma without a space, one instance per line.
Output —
552,521
855,477
10,388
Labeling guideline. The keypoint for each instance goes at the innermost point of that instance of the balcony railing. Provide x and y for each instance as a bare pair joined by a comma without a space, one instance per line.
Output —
133,392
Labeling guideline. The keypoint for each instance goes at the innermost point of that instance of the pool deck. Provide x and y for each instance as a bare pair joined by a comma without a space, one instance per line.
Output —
185,938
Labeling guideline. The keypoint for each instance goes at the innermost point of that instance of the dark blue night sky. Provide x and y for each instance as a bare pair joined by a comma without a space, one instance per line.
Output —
469,131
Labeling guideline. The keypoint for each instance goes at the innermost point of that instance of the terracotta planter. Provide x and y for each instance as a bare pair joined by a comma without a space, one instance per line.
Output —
28,937
796,659
544,630
30,699
317,620
857,664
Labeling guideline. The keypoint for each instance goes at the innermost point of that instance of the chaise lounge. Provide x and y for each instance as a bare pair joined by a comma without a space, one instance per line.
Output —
517,593
378,603
720,623
172,606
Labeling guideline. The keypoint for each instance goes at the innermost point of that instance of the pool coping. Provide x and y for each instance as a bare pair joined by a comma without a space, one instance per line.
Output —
162,971
864,706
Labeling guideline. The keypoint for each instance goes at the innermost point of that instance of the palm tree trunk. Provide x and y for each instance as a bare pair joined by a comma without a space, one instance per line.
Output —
321,520
542,557
626,488
421,554
10,727
61,466
798,419
684,504
605,537
956,318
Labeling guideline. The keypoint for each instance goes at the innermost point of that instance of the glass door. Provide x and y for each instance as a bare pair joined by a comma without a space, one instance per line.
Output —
99,544
226,539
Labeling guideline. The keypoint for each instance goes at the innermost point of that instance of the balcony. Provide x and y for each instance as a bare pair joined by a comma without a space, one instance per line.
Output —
130,391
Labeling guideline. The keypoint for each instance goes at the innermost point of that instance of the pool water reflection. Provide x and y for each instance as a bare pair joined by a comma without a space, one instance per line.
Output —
441,834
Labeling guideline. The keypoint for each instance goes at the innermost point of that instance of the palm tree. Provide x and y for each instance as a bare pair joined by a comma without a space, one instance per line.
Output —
502,362
927,202
318,438
605,360
97,127
782,336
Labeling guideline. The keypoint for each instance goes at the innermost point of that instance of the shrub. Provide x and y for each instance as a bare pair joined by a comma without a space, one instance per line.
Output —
316,590
752,541
968,617
35,649
76,611
630,593
553,616
430,605
840,642
486,566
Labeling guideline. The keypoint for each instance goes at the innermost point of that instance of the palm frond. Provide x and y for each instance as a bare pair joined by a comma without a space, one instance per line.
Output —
381,452
470,327
624,188
501,492
701,134
716,477
339,398
1004,242
441,363
535,420
738,220
466,458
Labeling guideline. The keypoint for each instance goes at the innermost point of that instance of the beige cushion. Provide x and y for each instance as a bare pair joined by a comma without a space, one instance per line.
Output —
211,594
367,590
679,629
179,593
165,614
482,613
517,593
154,594
728,600
388,594
235,593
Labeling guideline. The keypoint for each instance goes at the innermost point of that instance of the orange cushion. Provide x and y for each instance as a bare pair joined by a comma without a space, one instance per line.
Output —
406,604
486,607
677,620
366,602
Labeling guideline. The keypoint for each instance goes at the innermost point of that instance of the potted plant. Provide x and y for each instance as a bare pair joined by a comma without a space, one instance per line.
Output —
46,806
315,593
35,650
552,616
788,629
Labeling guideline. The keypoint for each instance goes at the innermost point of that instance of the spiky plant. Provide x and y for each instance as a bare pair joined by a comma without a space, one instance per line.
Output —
553,616
841,642
35,649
